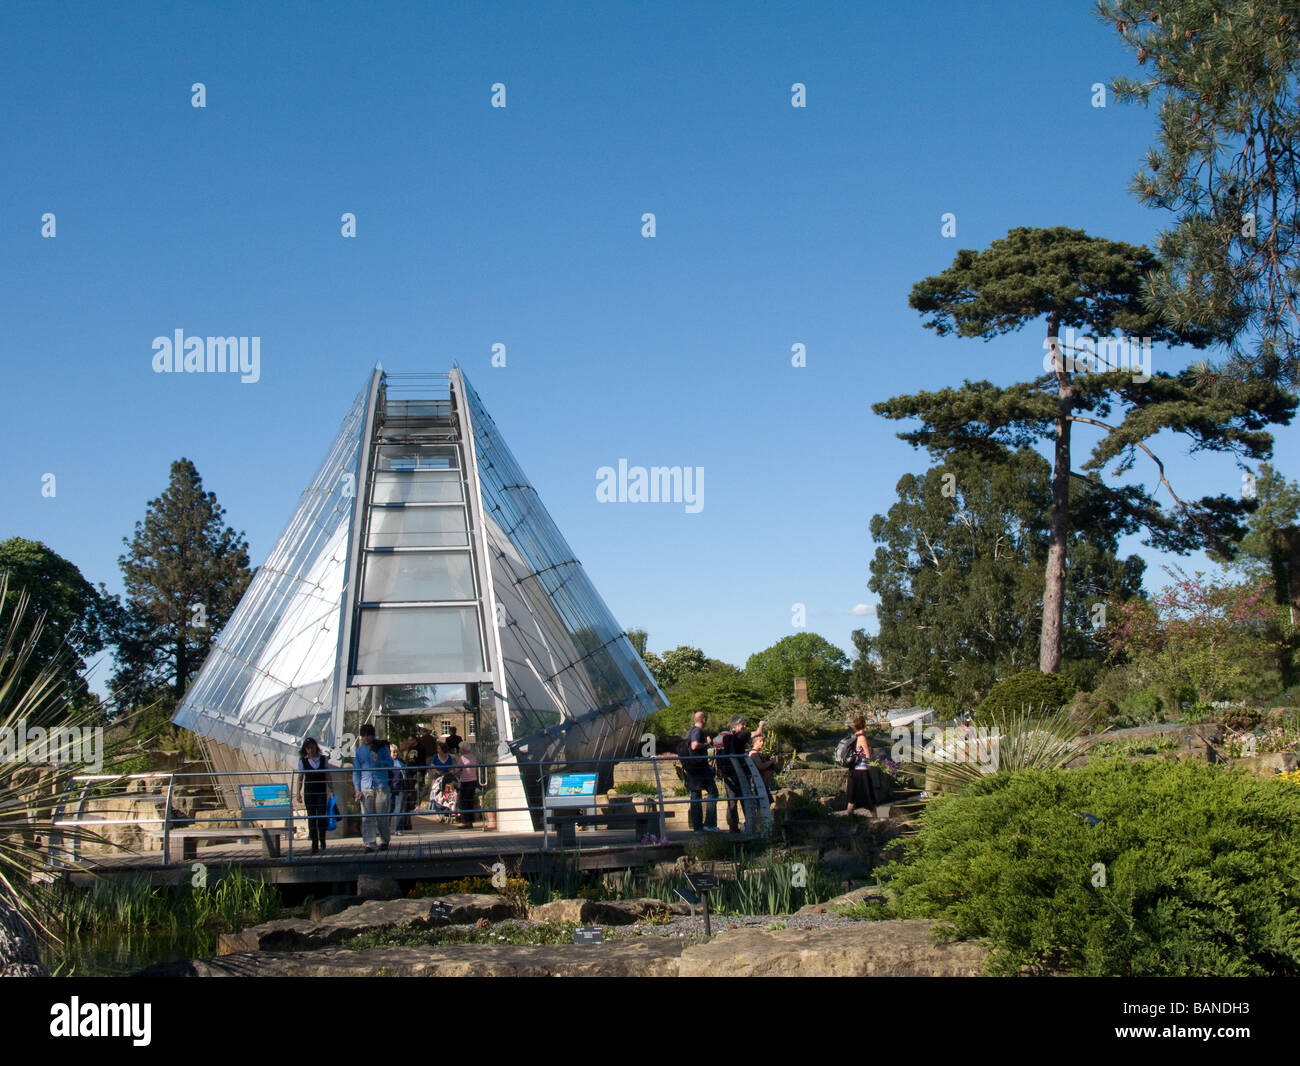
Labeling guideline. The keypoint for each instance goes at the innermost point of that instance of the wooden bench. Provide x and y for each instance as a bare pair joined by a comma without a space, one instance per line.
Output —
256,803
566,823
190,838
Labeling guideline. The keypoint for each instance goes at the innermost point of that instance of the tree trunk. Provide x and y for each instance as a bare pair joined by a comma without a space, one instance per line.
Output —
1049,648
182,666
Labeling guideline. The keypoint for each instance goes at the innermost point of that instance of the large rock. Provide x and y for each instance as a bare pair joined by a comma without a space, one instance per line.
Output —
1278,762
323,908
867,949
368,917
280,933
603,912
468,908
870,949
377,886
856,895
643,957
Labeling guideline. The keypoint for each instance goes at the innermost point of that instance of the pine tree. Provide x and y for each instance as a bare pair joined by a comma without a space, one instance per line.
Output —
1227,77
1081,282
959,569
184,574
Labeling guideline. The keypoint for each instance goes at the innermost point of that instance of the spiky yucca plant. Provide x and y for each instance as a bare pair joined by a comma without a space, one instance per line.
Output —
30,790
1022,738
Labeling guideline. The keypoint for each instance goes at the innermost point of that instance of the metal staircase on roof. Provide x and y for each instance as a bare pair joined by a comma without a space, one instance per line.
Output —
416,407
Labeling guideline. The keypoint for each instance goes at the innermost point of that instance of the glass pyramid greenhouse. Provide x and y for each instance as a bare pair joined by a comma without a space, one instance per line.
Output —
422,575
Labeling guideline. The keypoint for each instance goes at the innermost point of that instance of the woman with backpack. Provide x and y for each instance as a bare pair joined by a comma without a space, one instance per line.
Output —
315,788
861,794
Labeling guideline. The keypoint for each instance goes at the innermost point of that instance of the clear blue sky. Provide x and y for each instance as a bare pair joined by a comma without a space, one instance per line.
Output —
522,225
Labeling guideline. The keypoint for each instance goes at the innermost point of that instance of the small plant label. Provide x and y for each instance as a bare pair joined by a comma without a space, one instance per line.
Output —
701,883
441,909
592,934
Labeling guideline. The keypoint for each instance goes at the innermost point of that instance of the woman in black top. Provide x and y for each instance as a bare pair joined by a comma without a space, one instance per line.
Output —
314,787
861,793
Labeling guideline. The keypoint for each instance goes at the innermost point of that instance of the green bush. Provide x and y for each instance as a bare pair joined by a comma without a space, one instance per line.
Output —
719,695
636,788
1083,674
1141,706
943,704
1029,688
797,723
1193,870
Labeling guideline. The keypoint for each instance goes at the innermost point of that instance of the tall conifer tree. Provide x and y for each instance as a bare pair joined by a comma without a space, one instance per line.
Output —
1226,77
185,572
1084,283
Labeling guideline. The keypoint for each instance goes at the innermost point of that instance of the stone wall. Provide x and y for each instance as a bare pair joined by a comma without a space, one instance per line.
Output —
644,773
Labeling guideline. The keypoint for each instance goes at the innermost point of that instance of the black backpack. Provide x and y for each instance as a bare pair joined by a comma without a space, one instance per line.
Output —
728,744
846,752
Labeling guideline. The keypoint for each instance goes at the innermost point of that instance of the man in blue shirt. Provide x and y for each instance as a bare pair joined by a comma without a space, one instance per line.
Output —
370,766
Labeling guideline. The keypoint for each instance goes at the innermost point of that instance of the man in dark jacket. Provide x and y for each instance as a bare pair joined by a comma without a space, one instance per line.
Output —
699,777
733,746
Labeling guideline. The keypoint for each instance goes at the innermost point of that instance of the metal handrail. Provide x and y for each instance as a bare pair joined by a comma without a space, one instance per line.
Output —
758,794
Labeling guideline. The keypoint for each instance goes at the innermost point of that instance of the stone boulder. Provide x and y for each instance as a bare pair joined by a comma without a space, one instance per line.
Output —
468,908
865,949
642,957
603,912
377,886
367,917
856,895
869,949
280,933
1278,762
323,908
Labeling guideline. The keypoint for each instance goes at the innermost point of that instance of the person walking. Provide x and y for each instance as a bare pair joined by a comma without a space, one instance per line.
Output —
700,777
453,742
733,747
371,786
314,789
861,794
416,752
402,781
468,784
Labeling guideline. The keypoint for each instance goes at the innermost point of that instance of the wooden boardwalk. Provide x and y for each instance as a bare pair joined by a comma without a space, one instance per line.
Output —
429,851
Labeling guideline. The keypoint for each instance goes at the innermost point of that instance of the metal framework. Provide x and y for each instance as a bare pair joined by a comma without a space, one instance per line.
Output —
421,571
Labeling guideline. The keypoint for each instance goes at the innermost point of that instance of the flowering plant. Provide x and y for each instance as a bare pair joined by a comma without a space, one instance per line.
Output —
1197,638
